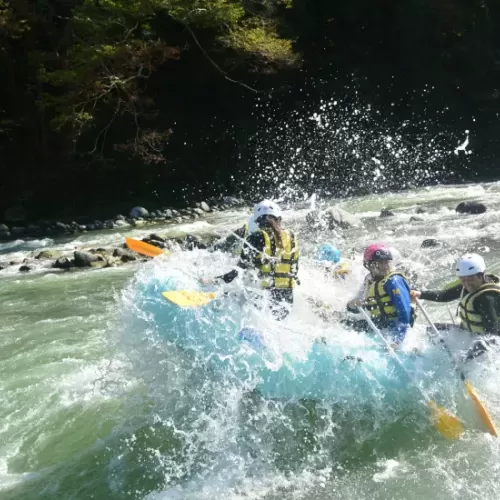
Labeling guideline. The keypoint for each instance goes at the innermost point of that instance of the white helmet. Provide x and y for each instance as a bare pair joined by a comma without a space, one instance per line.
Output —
396,255
266,207
252,225
470,264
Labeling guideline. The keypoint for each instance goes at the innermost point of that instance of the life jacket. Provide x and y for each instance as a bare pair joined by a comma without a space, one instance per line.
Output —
341,270
470,318
378,301
278,263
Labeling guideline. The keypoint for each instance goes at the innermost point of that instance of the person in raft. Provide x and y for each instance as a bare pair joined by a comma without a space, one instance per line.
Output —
386,294
273,252
479,296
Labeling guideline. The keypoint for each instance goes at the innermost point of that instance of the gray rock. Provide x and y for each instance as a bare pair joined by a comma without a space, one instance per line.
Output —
48,254
175,213
60,226
204,206
386,212
420,210
84,259
4,228
337,217
416,219
332,218
90,227
108,224
199,211
17,230
470,207
119,217
157,237
430,243
24,268
4,236
121,223
122,252
138,212
168,213
63,263
34,228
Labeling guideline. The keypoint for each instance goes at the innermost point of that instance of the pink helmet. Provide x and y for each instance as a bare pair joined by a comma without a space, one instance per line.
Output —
377,252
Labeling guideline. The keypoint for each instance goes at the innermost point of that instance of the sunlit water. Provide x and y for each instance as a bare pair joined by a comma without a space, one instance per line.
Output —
94,404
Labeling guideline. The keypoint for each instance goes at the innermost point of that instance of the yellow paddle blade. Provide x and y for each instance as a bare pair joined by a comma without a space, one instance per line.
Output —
483,413
448,425
189,298
143,247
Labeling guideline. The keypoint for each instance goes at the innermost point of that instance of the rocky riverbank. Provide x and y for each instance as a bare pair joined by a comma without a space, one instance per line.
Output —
16,227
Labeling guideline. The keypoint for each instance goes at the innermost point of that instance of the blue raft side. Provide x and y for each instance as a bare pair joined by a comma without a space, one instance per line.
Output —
327,372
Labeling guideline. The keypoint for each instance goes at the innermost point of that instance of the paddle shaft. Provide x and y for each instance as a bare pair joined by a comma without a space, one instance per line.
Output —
481,409
392,353
441,340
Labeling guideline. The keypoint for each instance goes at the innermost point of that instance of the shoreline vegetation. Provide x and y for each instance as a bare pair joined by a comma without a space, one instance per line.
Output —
112,100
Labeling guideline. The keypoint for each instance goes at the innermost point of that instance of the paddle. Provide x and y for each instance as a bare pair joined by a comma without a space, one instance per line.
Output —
144,248
447,424
189,298
483,413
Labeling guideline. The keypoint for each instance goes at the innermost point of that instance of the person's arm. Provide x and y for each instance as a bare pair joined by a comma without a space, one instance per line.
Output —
252,248
226,244
399,291
445,295
248,258
486,306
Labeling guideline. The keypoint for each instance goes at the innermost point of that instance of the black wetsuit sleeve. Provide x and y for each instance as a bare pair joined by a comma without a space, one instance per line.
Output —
248,256
253,246
231,241
446,295
487,307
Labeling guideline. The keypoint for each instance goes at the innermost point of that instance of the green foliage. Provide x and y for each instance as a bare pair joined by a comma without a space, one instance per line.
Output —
111,48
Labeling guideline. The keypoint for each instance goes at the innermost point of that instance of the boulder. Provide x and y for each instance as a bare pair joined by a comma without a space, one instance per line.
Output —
24,268
333,217
430,243
60,226
124,255
204,206
198,211
138,212
63,263
121,223
48,254
4,229
156,243
386,212
156,237
85,259
470,207
420,210
416,219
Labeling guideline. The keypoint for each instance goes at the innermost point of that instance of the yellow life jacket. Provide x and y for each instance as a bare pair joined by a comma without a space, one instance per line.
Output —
378,302
341,270
279,260
470,318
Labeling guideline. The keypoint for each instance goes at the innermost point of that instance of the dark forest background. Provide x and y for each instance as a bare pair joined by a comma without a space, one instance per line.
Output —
107,104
